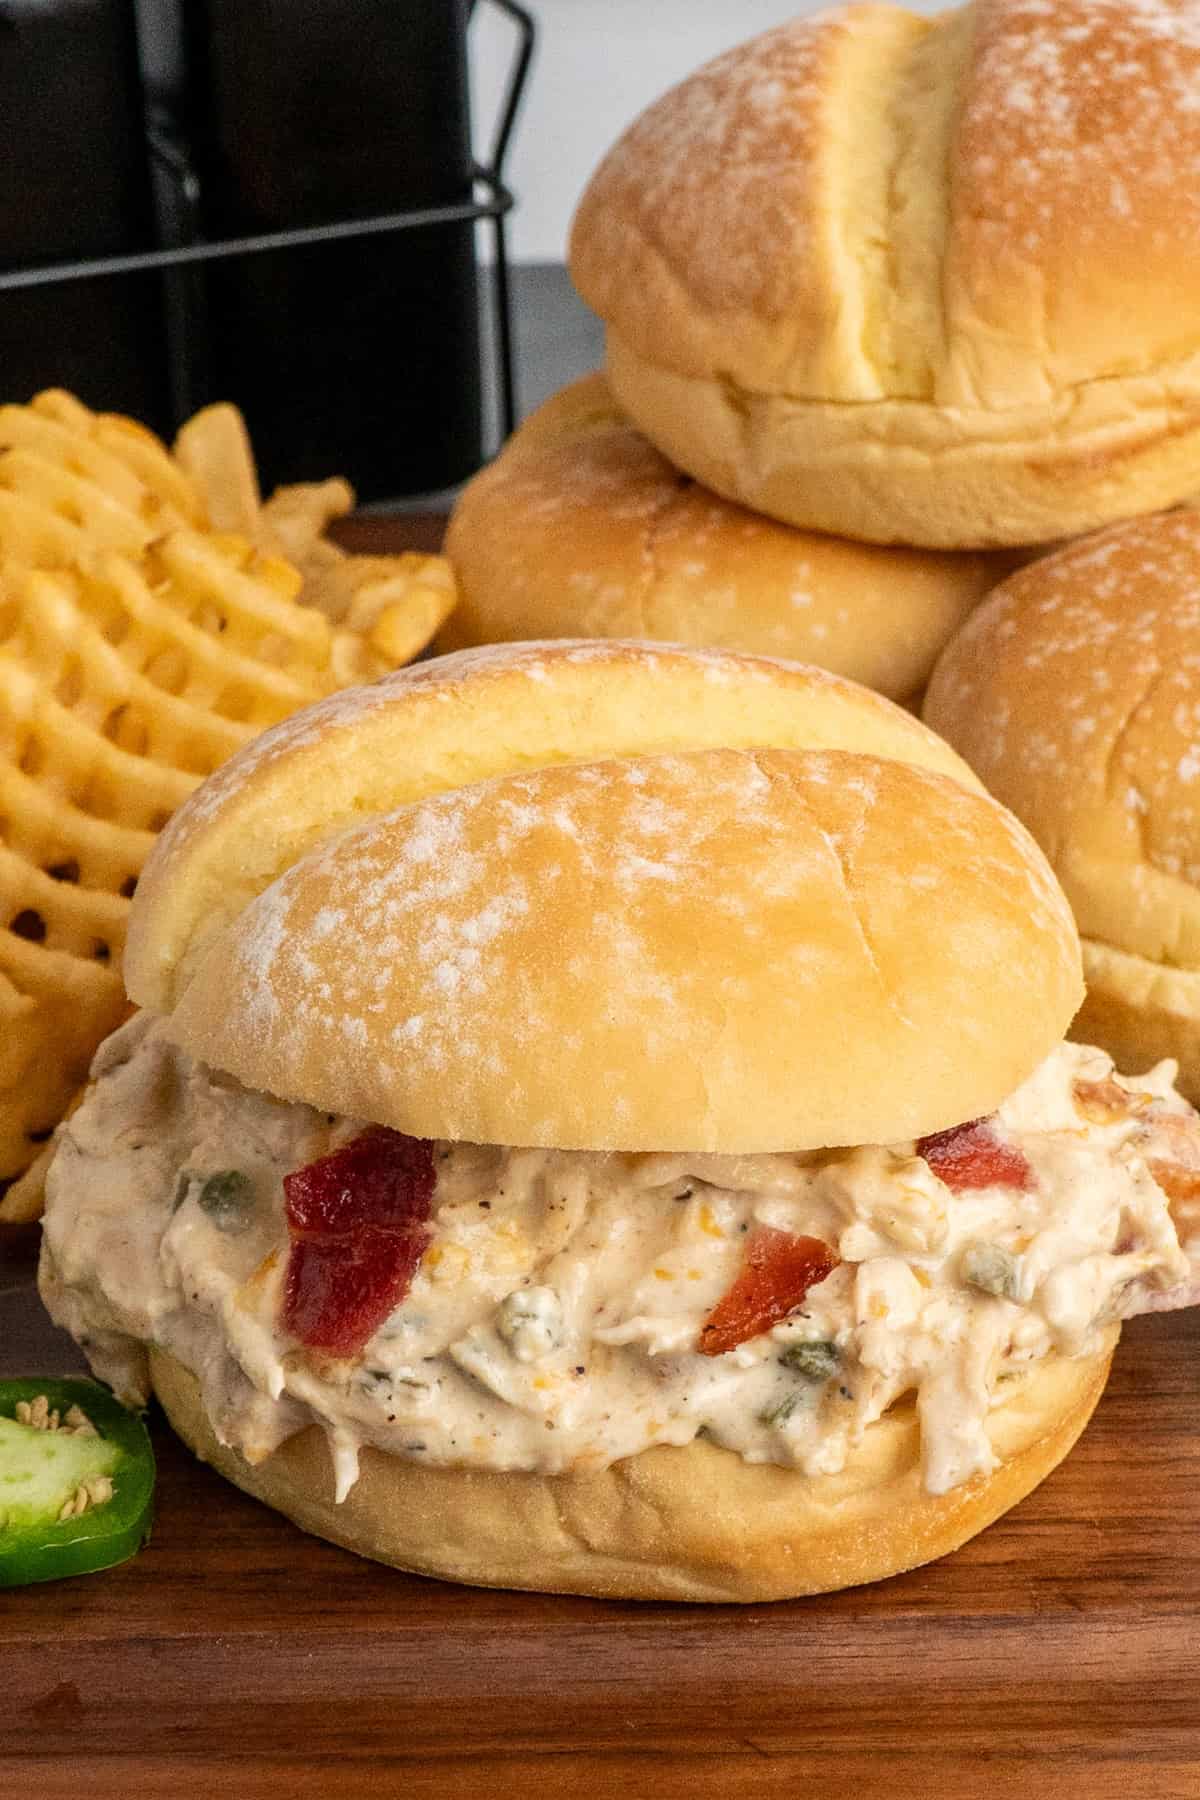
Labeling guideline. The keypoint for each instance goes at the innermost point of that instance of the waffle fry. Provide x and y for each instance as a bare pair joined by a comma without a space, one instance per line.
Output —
396,604
297,518
74,482
213,449
143,639
23,1201
402,600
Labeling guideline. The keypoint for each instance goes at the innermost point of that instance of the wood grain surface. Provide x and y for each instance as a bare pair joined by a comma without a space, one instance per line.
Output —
380,534
1058,1655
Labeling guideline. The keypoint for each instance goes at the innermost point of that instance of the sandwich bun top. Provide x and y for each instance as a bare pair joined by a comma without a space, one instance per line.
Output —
609,897
581,528
718,950
918,280
1074,692
460,719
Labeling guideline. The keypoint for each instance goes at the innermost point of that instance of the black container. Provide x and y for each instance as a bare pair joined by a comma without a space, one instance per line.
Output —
359,355
74,183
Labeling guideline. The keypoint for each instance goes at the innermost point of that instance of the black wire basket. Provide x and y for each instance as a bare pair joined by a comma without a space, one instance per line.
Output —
187,254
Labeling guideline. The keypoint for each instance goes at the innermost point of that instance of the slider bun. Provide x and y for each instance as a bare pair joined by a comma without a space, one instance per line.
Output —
695,1523
888,277
580,528
716,950
1075,694
445,724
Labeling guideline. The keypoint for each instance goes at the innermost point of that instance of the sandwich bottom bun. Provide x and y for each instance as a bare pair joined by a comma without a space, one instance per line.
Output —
1141,1011
694,1523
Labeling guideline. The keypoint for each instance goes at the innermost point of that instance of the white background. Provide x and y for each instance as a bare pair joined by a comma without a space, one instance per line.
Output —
598,63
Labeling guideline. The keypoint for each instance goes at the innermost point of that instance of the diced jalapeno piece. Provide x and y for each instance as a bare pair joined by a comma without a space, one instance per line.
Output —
990,1269
228,1199
782,1409
815,1361
76,1480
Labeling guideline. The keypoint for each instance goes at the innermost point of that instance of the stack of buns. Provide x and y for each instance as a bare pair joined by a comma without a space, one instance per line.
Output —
612,540
925,285
917,280
873,278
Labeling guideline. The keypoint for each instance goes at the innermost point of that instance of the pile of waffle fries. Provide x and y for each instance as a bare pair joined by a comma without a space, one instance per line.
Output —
155,614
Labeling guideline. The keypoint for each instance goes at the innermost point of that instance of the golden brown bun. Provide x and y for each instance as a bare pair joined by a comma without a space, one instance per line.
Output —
695,1523
581,529
1075,694
719,950
1140,1011
461,719
928,281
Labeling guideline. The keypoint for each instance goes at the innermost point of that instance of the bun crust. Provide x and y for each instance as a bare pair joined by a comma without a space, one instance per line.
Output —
1075,694
580,528
882,276
1140,1011
695,1523
442,725
719,950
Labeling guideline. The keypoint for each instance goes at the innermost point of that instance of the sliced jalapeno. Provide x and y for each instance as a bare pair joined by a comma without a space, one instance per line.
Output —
76,1480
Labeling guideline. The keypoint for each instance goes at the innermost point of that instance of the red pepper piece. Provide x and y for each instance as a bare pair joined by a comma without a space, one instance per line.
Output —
778,1271
359,1223
972,1156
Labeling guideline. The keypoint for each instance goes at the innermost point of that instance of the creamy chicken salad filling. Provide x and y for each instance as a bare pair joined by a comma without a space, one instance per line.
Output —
555,1315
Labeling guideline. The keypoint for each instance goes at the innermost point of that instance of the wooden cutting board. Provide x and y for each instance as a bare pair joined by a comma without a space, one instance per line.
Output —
1057,1655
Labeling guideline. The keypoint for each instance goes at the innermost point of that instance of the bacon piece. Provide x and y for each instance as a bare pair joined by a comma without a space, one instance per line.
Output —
359,1223
380,1178
778,1271
972,1156
337,1295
